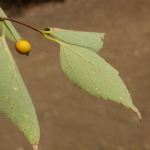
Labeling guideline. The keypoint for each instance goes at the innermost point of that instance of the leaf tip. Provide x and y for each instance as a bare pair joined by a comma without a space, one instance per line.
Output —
35,147
139,115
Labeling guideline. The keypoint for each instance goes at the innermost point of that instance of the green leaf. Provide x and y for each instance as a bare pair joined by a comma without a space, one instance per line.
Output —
89,40
8,34
15,102
93,74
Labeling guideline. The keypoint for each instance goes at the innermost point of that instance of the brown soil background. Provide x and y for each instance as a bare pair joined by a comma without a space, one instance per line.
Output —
69,118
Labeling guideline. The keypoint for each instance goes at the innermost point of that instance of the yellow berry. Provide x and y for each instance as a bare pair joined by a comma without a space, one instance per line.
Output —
23,47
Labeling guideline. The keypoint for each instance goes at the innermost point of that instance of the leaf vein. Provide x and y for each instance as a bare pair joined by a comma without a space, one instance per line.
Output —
100,71
72,68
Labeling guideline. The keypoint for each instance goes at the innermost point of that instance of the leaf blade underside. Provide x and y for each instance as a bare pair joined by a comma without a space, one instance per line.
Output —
15,102
93,74
89,40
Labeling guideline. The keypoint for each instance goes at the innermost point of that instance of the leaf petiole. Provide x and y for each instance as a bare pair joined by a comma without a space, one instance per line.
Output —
3,27
52,39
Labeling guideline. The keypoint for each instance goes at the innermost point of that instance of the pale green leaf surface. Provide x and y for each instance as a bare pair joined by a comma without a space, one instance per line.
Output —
8,35
93,74
15,102
89,40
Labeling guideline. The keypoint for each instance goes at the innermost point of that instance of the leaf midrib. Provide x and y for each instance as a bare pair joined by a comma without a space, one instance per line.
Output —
95,50
72,32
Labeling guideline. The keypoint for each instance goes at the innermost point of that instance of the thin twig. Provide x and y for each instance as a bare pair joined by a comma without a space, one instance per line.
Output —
25,24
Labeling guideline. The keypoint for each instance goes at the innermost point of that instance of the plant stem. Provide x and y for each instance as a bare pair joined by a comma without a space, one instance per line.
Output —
13,20
32,27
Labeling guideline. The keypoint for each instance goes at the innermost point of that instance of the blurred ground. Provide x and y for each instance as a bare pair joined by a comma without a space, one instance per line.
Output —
69,118
18,6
